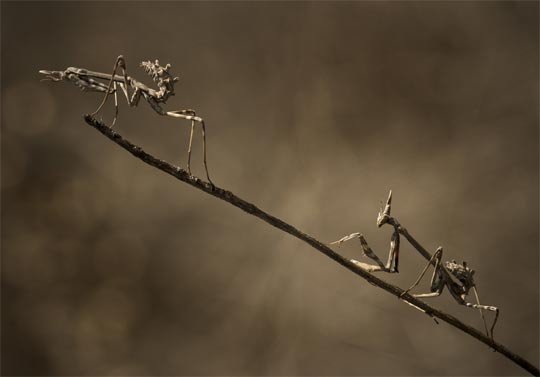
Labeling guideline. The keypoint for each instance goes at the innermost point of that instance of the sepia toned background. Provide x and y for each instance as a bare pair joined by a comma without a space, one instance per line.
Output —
314,111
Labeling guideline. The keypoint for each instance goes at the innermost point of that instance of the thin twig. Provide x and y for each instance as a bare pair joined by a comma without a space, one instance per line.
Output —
229,197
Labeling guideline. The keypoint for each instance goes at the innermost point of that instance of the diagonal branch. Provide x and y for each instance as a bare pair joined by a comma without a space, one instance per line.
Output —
229,197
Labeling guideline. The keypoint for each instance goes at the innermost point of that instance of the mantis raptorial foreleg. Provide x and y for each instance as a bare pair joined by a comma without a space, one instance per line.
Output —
392,263
393,255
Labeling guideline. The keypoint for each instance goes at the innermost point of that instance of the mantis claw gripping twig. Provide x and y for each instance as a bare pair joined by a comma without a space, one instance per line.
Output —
88,81
457,277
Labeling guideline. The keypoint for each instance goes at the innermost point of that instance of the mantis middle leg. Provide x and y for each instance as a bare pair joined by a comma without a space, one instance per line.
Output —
132,100
437,279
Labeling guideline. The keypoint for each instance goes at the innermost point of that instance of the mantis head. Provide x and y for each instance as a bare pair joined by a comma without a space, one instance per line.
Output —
384,214
53,75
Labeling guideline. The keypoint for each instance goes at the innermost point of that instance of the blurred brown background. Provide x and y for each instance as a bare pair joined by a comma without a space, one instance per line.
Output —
314,111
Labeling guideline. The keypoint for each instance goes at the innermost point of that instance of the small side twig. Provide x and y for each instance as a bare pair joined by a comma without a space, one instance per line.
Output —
250,208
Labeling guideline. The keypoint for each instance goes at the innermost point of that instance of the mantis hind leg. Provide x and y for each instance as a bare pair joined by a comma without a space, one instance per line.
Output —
189,147
485,307
190,115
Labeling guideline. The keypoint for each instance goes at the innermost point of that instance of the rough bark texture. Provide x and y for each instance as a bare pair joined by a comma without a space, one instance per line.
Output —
321,247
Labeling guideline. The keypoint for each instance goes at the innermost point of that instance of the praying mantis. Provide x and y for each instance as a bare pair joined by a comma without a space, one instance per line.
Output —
88,80
457,277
